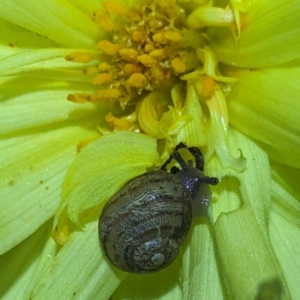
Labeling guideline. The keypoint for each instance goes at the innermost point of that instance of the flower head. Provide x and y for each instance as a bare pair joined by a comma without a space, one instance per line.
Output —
95,94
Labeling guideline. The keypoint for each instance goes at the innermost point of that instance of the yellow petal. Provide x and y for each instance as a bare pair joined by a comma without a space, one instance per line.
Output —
32,168
23,264
136,287
193,132
149,111
270,33
289,157
79,269
61,22
286,192
12,64
28,108
88,6
93,178
265,105
248,262
200,276
285,239
14,38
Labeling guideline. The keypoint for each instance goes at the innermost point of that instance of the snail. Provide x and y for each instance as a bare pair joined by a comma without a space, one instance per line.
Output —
142,227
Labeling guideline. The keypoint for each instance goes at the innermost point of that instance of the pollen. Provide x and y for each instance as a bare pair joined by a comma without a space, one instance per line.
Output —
108,94
102,78
137,80
141,52
103,67
165,37
173,36
104,20
81,98
208,87
138,36
81,57
158,54
118,123
108,47
129,55
114,7
146,48
178,65
147,60
130,69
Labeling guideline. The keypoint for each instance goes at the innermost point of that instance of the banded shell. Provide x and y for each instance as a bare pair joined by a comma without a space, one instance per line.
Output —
144,224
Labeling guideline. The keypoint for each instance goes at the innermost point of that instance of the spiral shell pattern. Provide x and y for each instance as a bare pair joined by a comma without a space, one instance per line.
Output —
143,225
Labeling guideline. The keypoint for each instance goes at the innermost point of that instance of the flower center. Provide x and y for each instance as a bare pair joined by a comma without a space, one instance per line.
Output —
145,52
151,48
147,48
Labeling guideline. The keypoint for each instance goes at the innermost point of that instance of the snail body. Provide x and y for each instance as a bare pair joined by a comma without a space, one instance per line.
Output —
142,227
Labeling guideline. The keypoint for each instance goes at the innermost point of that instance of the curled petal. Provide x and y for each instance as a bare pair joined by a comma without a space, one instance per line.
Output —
248,262
270,33
158,119
93,179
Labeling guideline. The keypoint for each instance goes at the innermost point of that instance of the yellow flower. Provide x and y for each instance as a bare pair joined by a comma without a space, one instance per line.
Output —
94,93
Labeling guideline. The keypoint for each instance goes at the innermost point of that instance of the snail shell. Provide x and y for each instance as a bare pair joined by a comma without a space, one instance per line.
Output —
144,224
142,227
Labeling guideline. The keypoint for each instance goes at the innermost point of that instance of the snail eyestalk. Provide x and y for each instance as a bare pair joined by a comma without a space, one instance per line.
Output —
211,180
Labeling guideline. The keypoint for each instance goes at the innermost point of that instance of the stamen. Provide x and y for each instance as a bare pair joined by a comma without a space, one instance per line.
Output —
138,36
103,67
115,8
104,21
108,94
130,69
137,80
102,78
149,48
118,123
81,98
128,55
82,57
158,54
147,60
108,47
178,65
